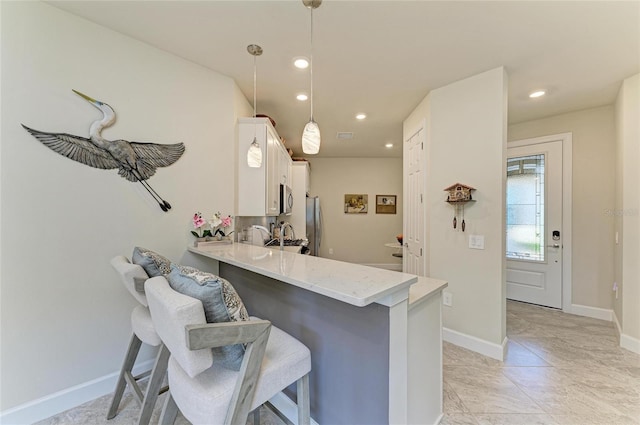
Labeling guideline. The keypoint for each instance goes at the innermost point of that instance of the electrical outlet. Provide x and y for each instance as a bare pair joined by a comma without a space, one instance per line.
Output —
447,298
330,251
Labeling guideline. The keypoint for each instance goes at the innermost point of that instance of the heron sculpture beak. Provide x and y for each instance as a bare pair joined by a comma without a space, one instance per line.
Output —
87,98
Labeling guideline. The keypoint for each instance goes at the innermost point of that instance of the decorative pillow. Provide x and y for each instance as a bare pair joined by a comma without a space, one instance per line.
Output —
152,262
221,303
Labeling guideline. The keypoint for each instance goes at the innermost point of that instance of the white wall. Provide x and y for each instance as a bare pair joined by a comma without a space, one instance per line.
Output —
593,197
466,122
628,212
65,315
357,238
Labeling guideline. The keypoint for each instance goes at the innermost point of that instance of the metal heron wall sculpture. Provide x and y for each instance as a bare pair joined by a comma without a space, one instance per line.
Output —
135,161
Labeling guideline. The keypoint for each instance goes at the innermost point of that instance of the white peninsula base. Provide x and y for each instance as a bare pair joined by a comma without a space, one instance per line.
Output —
375,335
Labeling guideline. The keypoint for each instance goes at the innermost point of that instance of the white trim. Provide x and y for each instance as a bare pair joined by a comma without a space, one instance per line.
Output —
287,408
567,203
593,312
486,348
398,361
439,419
627,342
52,404
630,343
618,327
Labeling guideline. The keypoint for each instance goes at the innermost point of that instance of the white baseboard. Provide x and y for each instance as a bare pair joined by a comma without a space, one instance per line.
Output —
396,267
627,342
617,323
486,348
287,407
593,312
630,343
439,419
66,399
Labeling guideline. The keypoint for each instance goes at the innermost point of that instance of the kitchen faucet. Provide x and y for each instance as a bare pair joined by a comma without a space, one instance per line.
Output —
283,226
263,229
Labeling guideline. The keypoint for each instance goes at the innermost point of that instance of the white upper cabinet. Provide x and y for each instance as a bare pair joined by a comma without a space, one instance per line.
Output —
259,188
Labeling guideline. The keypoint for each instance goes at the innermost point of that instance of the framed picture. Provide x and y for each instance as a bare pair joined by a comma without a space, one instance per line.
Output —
356,204
385,204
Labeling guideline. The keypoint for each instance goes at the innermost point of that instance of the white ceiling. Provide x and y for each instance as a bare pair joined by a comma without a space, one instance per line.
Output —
383,57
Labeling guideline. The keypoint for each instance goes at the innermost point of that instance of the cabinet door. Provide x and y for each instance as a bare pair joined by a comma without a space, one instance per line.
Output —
273,171
285,167
251,197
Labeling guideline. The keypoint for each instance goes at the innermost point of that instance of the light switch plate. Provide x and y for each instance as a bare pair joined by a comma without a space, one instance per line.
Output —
476,241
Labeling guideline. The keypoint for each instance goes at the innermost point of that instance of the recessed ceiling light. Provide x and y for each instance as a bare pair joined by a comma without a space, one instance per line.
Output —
301,62
361,116
302,97
388,145
537,93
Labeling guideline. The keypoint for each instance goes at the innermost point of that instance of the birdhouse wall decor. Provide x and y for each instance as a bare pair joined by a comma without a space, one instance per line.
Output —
135,161
458,195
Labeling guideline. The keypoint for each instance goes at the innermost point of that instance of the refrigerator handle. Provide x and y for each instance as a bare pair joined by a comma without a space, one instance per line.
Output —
319,235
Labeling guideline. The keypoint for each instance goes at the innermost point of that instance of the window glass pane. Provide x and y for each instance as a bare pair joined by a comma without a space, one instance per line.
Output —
525,208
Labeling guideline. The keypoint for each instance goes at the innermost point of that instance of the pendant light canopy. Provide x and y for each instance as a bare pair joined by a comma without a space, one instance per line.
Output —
254,154
311,132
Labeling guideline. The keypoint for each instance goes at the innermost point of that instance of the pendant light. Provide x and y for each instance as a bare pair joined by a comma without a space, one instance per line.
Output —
311,132
254,154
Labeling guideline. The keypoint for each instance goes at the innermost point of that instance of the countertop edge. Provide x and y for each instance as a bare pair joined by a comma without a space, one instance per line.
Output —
424,288
340,296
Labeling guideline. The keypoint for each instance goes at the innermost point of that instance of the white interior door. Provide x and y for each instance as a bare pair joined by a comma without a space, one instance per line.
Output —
414,217
534,224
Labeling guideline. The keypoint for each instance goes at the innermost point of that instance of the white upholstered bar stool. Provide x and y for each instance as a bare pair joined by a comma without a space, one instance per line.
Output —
133,277
203,390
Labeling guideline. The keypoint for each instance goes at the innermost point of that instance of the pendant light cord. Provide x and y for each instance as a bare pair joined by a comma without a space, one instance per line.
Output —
311,63
254,86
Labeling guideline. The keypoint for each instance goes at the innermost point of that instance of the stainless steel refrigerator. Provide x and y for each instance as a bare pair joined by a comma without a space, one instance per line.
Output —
314,224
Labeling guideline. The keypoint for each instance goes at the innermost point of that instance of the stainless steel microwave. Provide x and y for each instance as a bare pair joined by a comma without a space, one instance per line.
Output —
286,199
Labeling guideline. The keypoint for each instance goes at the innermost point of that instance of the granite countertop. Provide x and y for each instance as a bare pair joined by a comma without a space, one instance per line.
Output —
423,289
350,283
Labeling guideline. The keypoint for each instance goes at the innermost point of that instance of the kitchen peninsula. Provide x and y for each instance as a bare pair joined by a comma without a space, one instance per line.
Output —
374,335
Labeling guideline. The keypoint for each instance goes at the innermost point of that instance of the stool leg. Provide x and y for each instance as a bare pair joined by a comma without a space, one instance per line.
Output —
256,416
153,388
169,411
127,366
304,403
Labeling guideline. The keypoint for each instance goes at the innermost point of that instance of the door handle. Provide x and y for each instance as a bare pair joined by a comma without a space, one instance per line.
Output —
555,245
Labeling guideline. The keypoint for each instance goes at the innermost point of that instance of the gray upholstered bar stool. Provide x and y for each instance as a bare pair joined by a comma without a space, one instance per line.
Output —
203,390
133,277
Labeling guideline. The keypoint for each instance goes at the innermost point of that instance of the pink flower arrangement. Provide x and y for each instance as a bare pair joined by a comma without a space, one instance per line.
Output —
198,224
217,225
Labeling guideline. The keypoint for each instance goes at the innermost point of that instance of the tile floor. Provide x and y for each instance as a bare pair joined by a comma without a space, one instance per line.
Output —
94,413
561,369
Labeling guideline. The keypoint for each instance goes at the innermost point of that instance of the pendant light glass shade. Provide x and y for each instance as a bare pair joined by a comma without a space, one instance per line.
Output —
311,138
254,154
311,133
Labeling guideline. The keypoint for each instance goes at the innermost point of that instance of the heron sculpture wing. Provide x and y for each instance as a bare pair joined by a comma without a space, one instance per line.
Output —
77,148
153,155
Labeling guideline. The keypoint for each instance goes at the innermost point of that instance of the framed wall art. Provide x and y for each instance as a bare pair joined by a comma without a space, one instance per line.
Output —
385,204
356,204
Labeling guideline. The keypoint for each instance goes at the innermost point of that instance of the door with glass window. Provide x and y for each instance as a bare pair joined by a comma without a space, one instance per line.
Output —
534,224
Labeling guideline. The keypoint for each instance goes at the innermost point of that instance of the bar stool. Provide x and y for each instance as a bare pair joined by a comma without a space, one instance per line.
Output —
204,391
133,277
